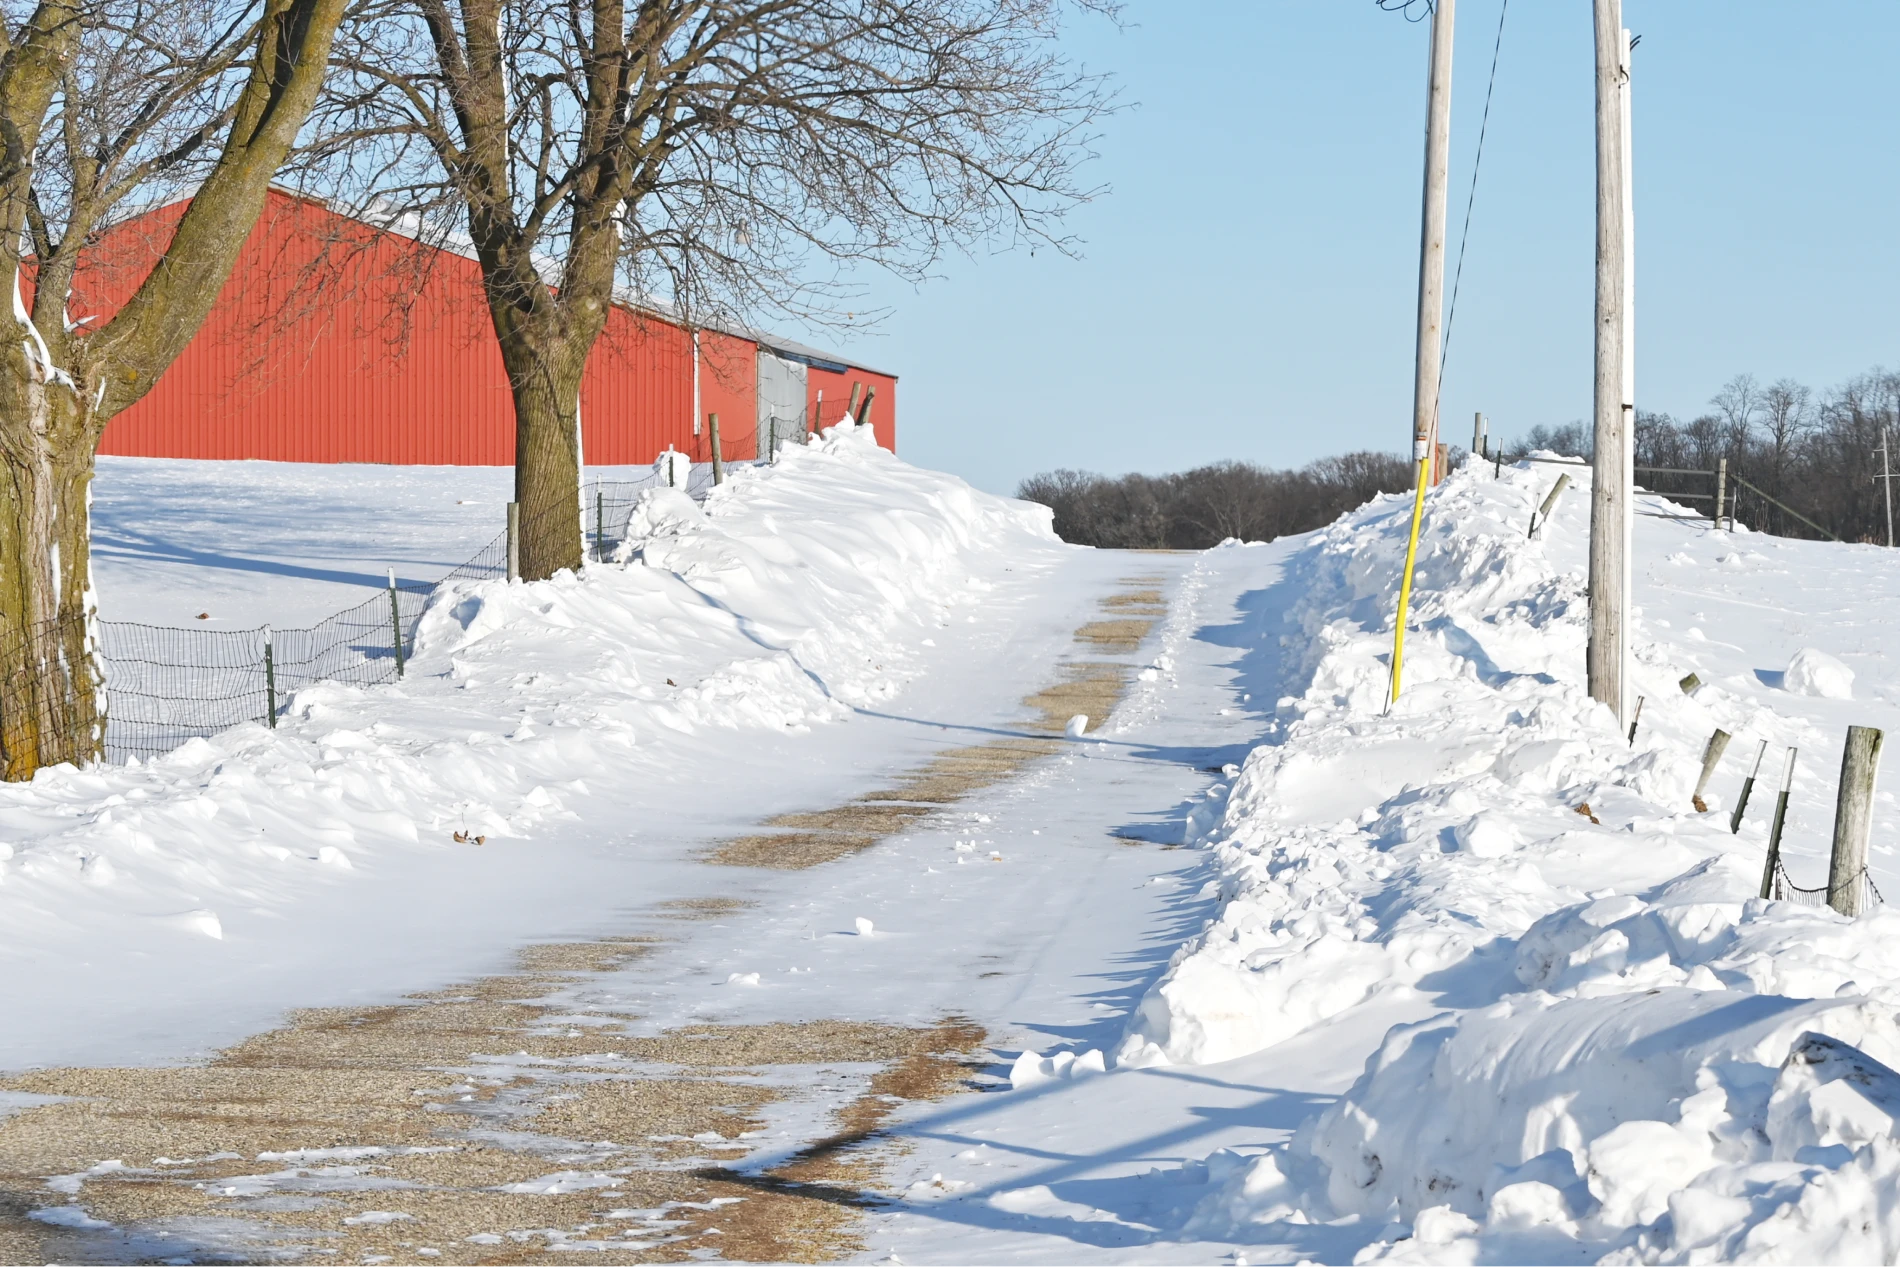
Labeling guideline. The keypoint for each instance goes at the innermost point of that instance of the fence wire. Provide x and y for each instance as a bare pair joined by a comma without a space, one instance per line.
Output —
1786,890
165,685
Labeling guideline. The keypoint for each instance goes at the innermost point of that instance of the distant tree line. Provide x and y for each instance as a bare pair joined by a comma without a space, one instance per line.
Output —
1816,453
1203,507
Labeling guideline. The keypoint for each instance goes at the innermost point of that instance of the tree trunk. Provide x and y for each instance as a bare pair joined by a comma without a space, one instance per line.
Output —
55,400
544,376
51,706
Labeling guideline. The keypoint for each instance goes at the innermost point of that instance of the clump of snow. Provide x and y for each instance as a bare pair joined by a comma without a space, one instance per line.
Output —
864,926
1077,727
674,468
1619,1049
1031,1068
1819,674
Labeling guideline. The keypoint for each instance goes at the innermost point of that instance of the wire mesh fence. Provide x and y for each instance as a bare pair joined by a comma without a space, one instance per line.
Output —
165,685
1786,890
48,701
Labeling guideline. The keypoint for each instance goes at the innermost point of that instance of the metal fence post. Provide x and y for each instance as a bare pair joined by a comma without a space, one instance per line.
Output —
1774,832
514,541
1748,789
771,439
270,681
600,524
395,620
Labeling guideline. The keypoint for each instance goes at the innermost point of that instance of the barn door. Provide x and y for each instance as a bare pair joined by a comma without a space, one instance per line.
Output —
781,400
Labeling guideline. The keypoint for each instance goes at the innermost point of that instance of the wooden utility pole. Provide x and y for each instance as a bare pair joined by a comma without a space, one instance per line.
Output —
1431,294
1613,476
1886,482
1431,255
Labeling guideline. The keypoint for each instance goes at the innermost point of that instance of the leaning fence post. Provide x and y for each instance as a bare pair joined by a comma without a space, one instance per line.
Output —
1774,832
864,410
1748,786
270,681
1550,500
1634,720
395,620
719,459
514,541
1853,819
1721,488
1711,757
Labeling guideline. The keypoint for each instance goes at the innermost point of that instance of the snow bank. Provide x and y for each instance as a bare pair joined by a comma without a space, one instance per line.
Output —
800,591
1620,1050
1819,674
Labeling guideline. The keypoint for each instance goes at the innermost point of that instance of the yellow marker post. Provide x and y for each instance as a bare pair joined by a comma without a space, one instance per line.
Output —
1405,584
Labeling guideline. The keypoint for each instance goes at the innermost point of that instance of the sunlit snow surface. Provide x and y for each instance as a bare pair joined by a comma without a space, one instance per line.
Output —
1556,1040
1398,999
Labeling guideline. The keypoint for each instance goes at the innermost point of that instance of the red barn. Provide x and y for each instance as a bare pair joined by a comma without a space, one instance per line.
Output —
336,341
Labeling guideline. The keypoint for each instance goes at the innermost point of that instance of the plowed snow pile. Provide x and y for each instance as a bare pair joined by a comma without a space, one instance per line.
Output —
382,817
1622,1051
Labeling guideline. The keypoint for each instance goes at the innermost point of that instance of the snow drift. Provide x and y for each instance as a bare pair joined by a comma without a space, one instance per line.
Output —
1608,1045
799,592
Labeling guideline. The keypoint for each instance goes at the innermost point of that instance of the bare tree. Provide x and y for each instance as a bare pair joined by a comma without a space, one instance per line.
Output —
1738,403
702,155
107,105
1203,507
1786,418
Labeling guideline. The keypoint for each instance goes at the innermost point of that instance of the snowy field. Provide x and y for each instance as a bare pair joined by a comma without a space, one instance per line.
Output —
1397,999
283,543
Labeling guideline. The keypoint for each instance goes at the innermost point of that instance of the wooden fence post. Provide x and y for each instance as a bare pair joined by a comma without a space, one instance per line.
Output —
1550,500
1711,757
851,406
1774,832
270,681
719,458
1721,488
1853,820
514,541
395,620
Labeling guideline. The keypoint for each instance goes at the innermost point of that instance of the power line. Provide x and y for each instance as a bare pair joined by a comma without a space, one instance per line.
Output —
1465,236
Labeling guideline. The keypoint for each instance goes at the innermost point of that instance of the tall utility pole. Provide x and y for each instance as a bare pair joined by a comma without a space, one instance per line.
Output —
1431,255
1431,294
1886,482
1613,477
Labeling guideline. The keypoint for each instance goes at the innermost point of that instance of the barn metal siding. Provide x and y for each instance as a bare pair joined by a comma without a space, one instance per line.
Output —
637,393
333,342
831,395
729,387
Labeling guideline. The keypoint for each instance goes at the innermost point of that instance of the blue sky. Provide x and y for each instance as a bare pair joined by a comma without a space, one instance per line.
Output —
1248,282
